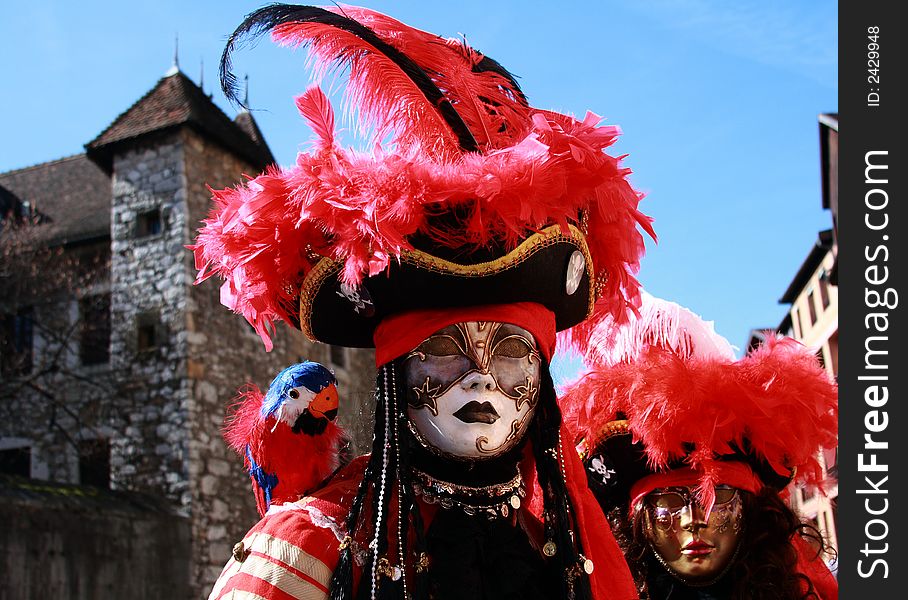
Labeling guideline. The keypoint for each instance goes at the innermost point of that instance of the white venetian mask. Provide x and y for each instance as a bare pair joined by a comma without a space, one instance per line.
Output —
472,388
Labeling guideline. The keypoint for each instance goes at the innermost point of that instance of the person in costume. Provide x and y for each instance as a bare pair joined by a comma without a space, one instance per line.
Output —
478,228
687,450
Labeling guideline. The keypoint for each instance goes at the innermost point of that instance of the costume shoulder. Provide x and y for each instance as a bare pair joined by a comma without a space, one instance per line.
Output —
292,551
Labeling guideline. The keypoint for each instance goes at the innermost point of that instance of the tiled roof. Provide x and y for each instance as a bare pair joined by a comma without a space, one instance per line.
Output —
176,101
245,122
72,196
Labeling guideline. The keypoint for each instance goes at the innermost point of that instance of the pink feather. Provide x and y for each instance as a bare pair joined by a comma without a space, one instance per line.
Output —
315,107
657,322
361,210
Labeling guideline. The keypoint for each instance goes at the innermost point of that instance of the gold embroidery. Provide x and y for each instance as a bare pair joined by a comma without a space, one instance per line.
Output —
538,241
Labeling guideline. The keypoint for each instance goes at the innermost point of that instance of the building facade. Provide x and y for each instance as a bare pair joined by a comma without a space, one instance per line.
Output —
121,378
813,319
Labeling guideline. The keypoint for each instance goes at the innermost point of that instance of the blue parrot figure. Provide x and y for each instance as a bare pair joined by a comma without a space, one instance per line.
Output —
303,395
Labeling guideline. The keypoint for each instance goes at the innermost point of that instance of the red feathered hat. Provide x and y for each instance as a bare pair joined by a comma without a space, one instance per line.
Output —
675,399
475,197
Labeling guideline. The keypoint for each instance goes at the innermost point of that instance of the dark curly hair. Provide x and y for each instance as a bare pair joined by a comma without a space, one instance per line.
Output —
765,567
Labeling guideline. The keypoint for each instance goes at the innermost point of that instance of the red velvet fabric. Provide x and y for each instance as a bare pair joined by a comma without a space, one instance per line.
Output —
611,579
809,564
401,333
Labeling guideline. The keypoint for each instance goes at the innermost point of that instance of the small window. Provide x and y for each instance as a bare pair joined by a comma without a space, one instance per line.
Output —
146,337
824,288
16,341
796,322
812,307
147,332
94,463
16,461
149,223
338,356
94,342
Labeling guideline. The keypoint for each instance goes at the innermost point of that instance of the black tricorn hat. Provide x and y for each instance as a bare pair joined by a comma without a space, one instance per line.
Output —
549,268
472,196
614,462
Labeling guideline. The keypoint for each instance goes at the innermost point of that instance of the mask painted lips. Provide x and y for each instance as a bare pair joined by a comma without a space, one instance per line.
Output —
697,548
474,412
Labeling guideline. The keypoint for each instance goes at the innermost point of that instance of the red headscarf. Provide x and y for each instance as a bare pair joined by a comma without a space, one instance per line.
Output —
400,333
734,473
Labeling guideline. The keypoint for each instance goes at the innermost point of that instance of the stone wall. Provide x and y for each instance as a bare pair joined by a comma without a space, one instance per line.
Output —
79,543
149,294
177,359
356,390
224,354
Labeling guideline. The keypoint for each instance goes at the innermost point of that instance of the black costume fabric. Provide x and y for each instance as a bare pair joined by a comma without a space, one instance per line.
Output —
662,585
485,560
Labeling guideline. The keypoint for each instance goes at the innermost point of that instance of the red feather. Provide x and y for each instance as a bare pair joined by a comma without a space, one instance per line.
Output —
493,109
243,418
778,398
541,168
389,103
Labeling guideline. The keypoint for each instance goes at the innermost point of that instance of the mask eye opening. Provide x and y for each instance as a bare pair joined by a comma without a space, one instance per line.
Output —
441,345
513,346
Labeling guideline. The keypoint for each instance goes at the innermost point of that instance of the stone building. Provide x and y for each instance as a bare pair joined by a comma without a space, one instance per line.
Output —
120,378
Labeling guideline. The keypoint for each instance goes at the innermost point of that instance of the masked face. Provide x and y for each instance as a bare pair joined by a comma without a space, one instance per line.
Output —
472,389
692,546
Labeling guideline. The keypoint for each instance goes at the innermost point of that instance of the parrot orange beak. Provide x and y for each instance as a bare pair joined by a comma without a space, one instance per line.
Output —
324,405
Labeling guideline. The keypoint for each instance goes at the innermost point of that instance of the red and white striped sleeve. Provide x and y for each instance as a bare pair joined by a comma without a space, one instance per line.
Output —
284,557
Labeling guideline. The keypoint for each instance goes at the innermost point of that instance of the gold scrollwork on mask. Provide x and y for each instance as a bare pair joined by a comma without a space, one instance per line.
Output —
482,440
526,393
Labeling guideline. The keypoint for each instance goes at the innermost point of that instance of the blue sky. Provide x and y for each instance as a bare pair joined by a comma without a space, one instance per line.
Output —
718,102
